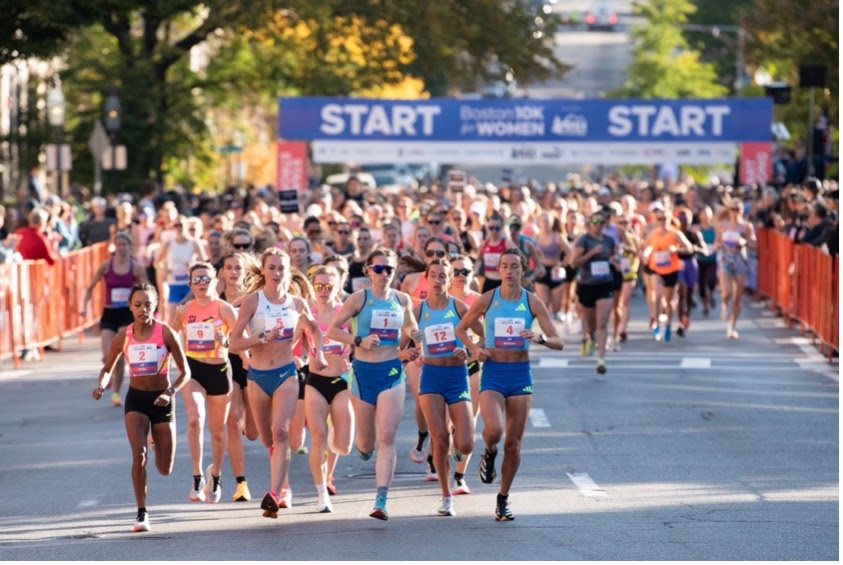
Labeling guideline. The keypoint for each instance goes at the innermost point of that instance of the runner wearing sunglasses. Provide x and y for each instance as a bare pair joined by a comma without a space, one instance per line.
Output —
381,314
490,253
206,321
733,236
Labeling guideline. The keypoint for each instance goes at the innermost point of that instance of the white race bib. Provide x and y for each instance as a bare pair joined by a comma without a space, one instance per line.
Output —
440,338
200,336
386,323
731,238
491,261
331,347
625,265
180,274
120,297
281,318
507,332
662,258
143,359
558,273
600,268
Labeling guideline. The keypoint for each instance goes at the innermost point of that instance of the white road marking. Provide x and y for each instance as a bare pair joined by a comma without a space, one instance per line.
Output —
13,374
770,323
87,503
695,363
538,418
587,486
552,363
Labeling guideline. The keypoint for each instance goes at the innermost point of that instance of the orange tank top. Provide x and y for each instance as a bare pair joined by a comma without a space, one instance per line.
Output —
146,358
662,260
200,326
421,291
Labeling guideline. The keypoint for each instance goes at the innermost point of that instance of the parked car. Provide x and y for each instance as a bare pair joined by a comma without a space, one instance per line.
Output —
601,17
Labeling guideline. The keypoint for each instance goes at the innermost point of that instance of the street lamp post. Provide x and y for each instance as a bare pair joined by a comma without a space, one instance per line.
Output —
113,119
56,107
716,32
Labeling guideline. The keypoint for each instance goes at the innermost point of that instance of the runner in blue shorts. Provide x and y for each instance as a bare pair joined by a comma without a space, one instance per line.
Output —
378,315
506,386
444,385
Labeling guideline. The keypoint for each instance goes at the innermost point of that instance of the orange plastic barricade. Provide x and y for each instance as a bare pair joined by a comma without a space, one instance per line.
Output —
802,284
40,304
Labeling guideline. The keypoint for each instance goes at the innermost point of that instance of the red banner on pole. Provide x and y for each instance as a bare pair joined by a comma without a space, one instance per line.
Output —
756,163
292,166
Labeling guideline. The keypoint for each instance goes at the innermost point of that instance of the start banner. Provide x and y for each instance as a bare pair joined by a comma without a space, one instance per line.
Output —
525,120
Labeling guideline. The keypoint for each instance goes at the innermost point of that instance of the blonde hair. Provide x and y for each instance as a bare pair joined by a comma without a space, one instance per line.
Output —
254,276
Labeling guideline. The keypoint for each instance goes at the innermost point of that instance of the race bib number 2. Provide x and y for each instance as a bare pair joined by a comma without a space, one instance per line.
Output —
507,332
143,359
386,323
440,338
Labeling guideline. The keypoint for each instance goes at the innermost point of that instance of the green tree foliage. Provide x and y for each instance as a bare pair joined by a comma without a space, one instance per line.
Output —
256,51
664,65
721,47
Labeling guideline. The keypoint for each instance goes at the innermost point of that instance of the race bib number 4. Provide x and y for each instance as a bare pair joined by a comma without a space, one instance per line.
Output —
120,297
440,338
600,269
507,332
281,319
386,323
200,336
143,359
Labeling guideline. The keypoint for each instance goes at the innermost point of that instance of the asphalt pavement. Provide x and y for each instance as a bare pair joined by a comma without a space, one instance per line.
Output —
697,449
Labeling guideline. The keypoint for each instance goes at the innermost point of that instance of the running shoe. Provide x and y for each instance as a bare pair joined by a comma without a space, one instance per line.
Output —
286,499
269,505
115,399
213,494
461,487
379,511
624,337
667,333
458,457
503,513
364,455
601,366
241,493
680,331
561,316
486,468
323,505
584,348
142,523
332,490
430,472
417,455
303,450
657,333
592,345
198,494
446,506
616,345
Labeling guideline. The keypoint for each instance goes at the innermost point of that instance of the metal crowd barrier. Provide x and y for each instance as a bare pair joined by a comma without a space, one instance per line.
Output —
802,284
40,304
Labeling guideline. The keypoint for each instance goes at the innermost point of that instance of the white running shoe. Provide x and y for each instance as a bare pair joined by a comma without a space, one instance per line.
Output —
212,495
323,505
286,498
461,487
431,475
419,456
142,523
198,495
446,506
561,316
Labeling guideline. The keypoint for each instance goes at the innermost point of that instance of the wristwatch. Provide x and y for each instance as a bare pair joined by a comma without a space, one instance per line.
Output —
357,341
262,337
171,390
542,339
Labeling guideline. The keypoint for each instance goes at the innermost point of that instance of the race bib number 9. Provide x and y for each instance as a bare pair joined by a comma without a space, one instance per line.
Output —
143,359
386,323
120,297
440,338
507,332
200,336
600,269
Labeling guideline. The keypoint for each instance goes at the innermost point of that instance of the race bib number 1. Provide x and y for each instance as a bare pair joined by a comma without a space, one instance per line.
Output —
386,323
440,338
507,332
143,359
200,336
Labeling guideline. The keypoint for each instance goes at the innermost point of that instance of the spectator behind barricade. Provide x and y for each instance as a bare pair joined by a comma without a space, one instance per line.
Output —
816,232
764,212
8,241
61,222
35,185
97,227
797,166
35,241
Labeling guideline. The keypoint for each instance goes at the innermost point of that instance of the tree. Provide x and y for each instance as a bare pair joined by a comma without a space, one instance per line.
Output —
664,66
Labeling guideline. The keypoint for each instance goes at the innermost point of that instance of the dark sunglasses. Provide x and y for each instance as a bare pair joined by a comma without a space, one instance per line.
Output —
463,272
495,228
661,218
598,221
439,253
199,279
332,223
178,225
319,287
435,222
343,232
241,245
381,269
515,227
314,232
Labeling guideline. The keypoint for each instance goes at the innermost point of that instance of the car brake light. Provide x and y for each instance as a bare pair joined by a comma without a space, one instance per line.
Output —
589,19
